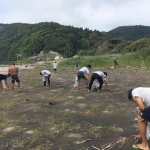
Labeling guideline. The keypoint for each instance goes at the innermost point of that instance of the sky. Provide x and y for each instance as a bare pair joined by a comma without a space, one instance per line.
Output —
102,15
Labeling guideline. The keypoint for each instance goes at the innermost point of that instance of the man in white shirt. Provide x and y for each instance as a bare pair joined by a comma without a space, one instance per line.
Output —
46,76
55,66
101,77
141,96
81,75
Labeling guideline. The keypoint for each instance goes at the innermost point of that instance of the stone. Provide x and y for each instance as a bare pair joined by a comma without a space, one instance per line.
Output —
14,146
30,132
9,129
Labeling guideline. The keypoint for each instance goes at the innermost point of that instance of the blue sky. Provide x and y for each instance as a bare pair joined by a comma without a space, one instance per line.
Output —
102,15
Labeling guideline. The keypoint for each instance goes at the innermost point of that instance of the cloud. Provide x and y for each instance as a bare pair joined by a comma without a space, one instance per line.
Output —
102,15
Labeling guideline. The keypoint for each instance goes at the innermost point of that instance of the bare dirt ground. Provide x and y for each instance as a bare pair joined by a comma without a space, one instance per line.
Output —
78,120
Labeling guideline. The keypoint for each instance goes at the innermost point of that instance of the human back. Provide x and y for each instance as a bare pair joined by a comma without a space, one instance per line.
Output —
143,93
13,70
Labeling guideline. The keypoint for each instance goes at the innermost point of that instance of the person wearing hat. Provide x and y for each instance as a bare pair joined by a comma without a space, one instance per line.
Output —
141,96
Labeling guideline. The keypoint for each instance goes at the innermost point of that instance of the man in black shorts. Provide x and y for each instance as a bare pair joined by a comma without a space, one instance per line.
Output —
81,75
101,77
13,71
3,77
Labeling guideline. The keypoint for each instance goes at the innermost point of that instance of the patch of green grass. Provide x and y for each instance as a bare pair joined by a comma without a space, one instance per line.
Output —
140,58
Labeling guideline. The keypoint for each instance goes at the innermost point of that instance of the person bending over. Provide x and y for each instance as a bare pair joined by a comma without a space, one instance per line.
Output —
81,75
46,76
141,96
101,77
3,77
13,71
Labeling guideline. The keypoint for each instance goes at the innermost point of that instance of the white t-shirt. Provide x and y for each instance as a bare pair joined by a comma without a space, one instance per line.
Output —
100,73
84,70
143,93
45,72
55,65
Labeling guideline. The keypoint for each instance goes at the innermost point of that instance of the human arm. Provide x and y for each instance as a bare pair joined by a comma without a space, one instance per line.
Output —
9,71
137,138
47,73
106,85
88,75
140,103
17,70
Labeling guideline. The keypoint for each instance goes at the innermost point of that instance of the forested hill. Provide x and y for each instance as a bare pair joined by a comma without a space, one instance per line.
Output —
130,32
30,39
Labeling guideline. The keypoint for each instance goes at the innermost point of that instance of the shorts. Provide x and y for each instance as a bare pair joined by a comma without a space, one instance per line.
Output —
2,77
80,75
15,78
55,69
146,114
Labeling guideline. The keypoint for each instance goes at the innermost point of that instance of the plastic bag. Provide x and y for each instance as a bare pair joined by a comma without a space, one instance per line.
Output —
148,131
112,67
4,85
75,82
16,83
95,85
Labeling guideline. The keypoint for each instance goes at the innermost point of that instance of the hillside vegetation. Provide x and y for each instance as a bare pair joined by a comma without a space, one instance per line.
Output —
30,39
130,33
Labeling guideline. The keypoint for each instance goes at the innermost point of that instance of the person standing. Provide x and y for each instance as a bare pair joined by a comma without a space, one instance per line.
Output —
13,71
101,77
3,77
116,64
81,75
55,66
141,96
76,65
46,76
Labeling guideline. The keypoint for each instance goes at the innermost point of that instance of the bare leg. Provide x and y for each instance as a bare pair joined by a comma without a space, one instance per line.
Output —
12,87
86,81
19,87
1,85
142,129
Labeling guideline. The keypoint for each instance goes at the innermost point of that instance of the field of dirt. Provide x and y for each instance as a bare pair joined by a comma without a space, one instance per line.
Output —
78,120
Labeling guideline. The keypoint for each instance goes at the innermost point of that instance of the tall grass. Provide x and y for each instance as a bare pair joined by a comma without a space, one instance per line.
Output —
140,58
95,61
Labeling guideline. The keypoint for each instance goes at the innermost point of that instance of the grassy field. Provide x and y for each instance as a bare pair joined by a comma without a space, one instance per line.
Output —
78,120
136,59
